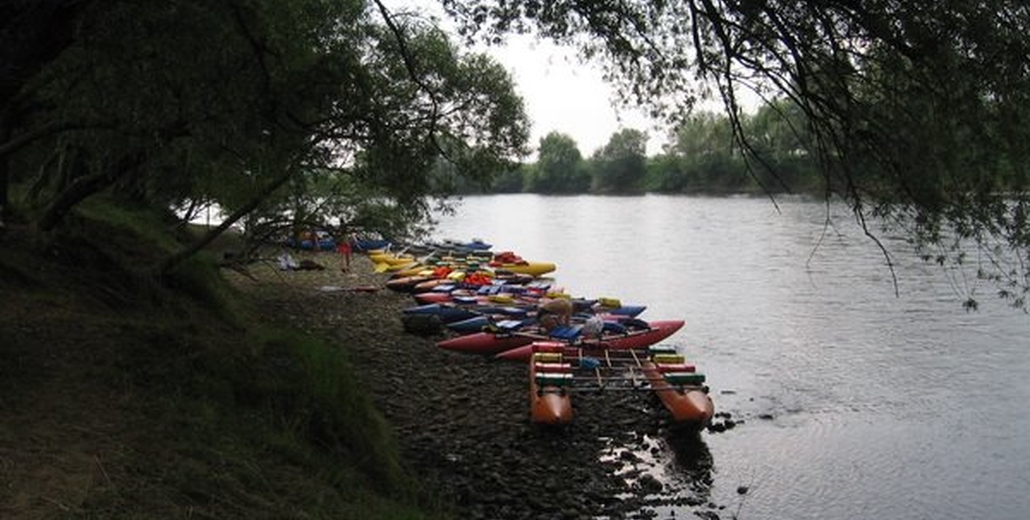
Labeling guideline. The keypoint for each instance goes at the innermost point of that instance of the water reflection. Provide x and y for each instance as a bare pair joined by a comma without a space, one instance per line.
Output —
690,460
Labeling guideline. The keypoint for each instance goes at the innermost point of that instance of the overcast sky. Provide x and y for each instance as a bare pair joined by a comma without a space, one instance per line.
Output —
564,96
559,93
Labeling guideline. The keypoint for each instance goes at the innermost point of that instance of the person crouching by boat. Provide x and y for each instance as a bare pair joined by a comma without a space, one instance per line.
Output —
554,313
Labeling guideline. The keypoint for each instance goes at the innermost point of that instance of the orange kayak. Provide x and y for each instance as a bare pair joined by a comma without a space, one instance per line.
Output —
681,393
549,378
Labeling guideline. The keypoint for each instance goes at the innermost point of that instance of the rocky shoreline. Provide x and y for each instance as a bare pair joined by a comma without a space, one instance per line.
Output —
462,422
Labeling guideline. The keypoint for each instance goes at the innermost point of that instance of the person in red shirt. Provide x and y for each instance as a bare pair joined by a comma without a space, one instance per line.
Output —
345,249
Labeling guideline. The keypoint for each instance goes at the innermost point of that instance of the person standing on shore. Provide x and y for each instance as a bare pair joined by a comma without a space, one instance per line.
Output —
346,250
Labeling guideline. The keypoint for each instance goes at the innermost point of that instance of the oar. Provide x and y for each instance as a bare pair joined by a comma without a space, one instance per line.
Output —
426,258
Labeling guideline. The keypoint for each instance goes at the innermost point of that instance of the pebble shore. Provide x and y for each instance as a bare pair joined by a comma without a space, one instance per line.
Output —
462,422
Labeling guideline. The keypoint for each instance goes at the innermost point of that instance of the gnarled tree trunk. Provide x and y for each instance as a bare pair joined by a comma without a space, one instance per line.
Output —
173,261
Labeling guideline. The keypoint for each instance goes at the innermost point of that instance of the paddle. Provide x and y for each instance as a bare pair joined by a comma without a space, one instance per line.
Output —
426,258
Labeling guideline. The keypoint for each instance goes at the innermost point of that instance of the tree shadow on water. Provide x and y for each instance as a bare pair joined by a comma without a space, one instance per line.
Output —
688,462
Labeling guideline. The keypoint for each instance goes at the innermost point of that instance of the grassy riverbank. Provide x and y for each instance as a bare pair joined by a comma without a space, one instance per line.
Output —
125,396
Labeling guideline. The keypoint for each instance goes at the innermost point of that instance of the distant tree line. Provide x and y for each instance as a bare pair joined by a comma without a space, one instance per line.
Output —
703,157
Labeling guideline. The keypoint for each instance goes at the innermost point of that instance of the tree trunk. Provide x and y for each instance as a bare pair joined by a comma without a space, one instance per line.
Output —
173,262
32,34
77,191
81,188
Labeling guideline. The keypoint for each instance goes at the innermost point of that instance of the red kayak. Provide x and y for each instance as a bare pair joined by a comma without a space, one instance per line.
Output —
485,343
658,331
432,297
518,346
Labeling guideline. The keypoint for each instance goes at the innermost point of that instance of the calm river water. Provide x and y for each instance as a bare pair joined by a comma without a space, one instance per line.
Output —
857,404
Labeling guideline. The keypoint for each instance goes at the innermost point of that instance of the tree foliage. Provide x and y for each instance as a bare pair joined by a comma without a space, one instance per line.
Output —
559,166
783,148
707,156
619,166
916,111
511,180
164,104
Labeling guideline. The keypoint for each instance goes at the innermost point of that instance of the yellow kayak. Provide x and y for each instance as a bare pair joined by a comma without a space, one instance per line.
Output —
408,265
387,258
534,269
530,268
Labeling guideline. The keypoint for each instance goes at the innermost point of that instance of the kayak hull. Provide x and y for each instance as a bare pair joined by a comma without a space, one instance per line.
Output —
431,297
394,260
406,284
369,245
659,330
534,269
484,343
469,326
446,313
548,404
687,404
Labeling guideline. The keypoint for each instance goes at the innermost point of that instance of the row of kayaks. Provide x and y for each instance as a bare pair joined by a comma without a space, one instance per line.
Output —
410,268
489,305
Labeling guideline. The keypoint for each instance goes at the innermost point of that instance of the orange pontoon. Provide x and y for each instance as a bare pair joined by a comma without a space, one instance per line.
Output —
681,392
549,379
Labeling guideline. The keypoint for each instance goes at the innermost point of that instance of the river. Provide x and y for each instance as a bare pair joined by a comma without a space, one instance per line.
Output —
856,402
